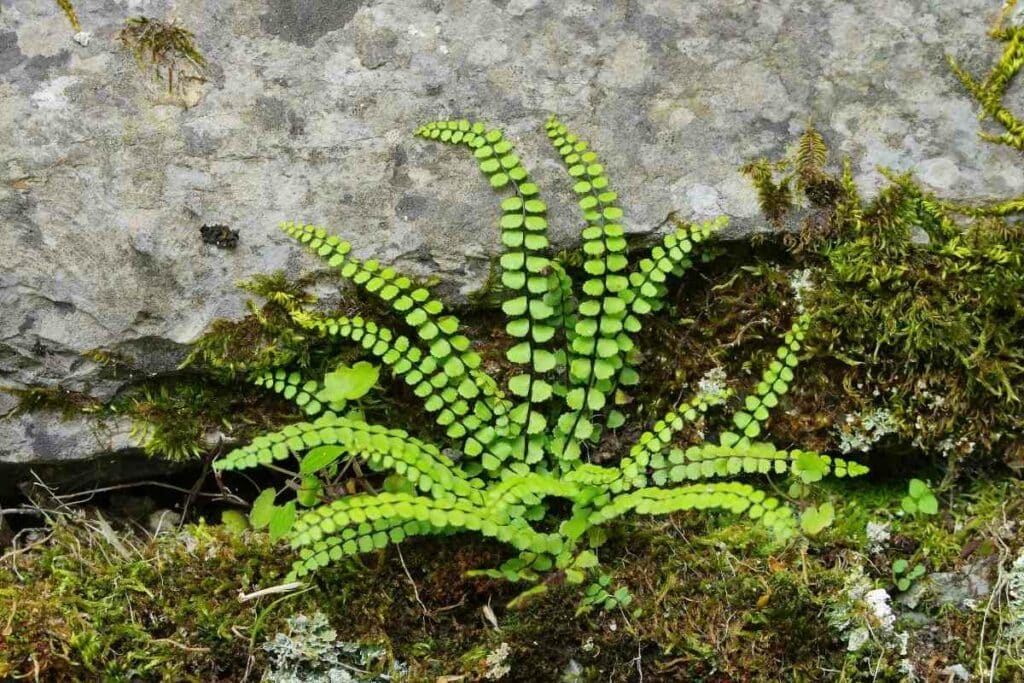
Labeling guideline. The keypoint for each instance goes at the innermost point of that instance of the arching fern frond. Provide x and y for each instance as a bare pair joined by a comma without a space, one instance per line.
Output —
526,273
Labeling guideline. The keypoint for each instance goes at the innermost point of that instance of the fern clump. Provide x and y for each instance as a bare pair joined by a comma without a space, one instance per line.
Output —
515,449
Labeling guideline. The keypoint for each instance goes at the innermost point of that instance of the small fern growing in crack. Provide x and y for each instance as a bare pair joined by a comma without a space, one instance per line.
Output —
519,447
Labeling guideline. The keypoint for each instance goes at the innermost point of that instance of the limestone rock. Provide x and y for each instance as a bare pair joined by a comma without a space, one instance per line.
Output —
306,109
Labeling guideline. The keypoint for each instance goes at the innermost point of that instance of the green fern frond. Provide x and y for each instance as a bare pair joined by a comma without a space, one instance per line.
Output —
293,387
526,273
733,497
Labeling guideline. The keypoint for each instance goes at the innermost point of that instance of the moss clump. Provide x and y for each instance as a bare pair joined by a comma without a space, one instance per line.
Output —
167,48
713,601
929,329
55,398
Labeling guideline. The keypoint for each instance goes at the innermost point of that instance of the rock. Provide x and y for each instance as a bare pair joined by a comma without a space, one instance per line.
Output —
956,672
45,438
305,110
163,522
71,454
963,588
82,38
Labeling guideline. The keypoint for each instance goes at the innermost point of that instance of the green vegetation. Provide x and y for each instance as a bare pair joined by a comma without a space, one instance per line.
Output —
931,329
519,456
163,45
69,12
990,93
710,600
902,312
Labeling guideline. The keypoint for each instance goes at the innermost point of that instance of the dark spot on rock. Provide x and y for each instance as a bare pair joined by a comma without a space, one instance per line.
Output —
220,236
199,143
500,3
433,90
27,324
38,68
411,207
376,48
10,55
296,125
270,113
39,349
399,174
303,22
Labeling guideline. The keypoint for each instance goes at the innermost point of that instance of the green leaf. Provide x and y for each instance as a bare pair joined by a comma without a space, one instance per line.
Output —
816,519
928,504
519,385
917,488
235,521
349,383
281,520
262,509
810,467
319,458
574,399
520,353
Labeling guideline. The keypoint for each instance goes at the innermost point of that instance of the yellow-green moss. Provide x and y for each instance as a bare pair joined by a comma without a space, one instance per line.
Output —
714,601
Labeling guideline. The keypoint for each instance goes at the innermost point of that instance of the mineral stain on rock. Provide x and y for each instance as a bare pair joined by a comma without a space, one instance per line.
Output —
303,22
10,55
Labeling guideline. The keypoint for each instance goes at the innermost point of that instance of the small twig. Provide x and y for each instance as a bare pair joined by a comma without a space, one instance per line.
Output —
86,495
181,646
415,590
273,590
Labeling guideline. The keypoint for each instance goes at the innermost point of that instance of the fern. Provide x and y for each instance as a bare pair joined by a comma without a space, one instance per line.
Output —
513,451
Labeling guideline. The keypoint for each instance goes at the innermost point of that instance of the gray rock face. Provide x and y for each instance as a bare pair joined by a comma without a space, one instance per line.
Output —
306,111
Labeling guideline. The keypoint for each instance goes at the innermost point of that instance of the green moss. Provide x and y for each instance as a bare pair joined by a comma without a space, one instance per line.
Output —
165,47
713,600
54,398
69,12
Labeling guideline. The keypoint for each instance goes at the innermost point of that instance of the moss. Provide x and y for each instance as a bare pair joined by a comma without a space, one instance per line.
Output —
165,47
69,12
55,398
928,332
713,600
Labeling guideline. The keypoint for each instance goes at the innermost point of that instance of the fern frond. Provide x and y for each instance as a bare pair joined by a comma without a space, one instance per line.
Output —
526,273
457,366
293,387
601,341
352,520
652,442
775,381
468,404
528,489
733,497
354,540
384,449
708,461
